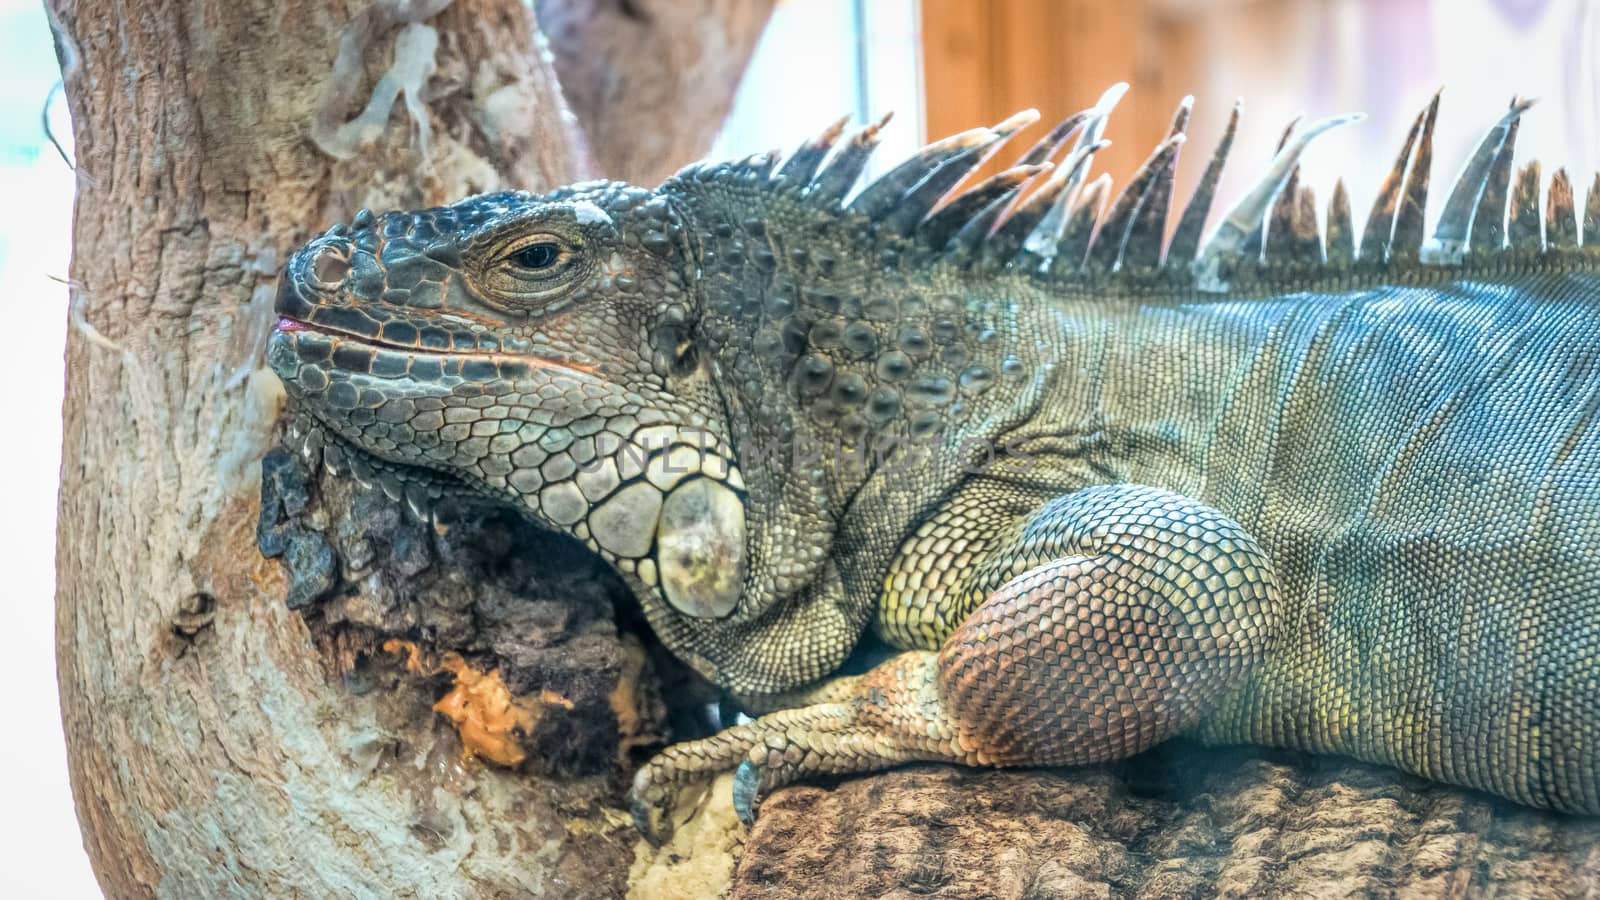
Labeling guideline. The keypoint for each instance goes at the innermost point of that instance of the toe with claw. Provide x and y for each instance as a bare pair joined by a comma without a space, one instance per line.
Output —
650,802
747,792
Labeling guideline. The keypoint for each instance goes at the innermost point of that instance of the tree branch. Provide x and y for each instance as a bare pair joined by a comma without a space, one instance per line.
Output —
650,80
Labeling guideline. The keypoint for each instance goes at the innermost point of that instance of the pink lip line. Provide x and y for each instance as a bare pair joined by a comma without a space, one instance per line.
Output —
287,324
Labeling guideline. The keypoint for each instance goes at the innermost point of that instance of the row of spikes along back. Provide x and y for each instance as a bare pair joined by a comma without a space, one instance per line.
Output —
1046,218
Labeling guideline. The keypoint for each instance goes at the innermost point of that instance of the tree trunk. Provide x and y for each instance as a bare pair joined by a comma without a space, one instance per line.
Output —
218,742
631,66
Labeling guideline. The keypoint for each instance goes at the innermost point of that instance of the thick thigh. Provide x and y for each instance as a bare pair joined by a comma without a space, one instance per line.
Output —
1085,659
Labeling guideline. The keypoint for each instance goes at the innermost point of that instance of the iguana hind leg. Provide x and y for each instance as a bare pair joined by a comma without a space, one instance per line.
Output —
1134,610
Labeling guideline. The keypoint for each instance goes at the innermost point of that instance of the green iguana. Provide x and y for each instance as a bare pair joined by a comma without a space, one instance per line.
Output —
1098,491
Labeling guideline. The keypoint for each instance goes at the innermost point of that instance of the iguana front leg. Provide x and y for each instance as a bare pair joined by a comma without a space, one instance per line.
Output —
1113,619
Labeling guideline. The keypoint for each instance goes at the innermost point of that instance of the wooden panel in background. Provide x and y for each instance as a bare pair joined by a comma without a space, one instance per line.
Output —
984,61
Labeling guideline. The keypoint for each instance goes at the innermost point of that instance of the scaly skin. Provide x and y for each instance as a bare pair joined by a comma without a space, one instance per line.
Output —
1346,507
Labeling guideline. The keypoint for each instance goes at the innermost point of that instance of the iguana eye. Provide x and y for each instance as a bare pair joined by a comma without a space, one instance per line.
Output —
526,271
541,255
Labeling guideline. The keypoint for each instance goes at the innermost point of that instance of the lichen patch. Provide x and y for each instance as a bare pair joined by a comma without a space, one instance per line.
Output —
492,722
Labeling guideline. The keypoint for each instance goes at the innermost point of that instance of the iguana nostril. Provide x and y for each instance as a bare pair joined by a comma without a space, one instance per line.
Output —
330,268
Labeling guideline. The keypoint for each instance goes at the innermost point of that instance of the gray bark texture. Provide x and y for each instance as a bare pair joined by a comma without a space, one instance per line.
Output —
219,742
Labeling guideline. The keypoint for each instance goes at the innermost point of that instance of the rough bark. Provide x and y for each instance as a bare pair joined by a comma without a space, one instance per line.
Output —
1183,821
629,66
219,743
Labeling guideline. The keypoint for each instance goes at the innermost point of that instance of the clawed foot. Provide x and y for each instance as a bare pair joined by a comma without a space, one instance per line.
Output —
766,754
657,784
653,802
747,749
887,717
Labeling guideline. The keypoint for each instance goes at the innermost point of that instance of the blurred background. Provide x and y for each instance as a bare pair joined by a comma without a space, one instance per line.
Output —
942,66
983,61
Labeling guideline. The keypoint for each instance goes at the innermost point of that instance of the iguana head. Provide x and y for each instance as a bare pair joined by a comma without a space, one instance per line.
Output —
540,350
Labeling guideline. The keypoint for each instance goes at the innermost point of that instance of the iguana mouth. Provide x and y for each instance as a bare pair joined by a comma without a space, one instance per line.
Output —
288,324
371,344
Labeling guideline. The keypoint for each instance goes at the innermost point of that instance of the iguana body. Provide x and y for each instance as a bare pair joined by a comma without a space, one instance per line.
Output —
1345,506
